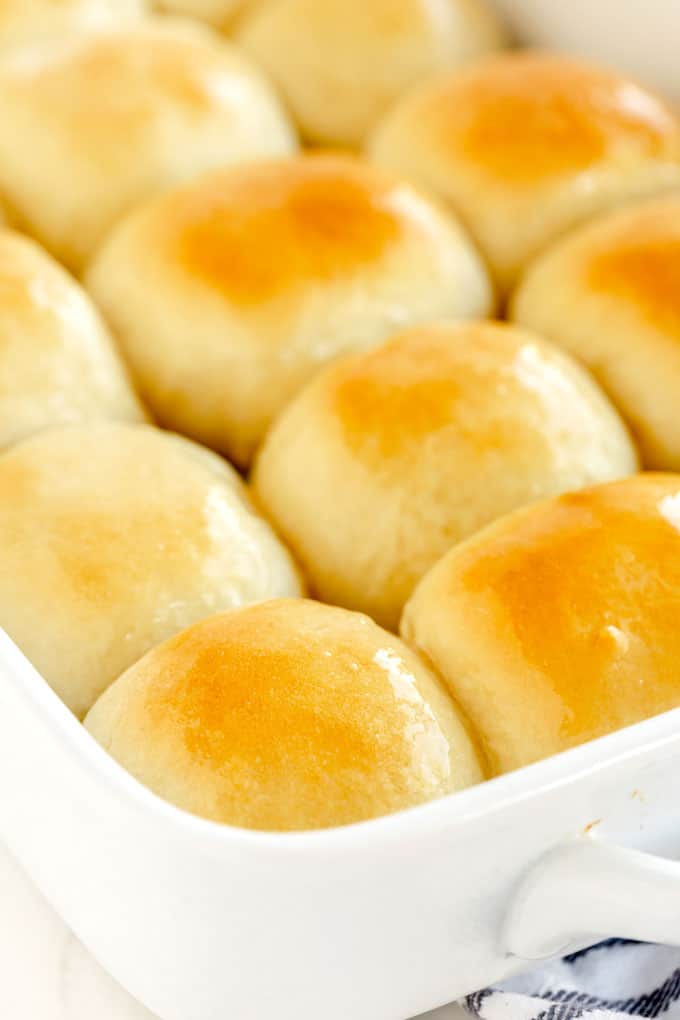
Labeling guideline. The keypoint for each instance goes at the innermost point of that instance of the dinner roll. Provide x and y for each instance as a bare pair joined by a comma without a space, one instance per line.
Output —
342,63
390,457
610,294
92,124
525,145
559,623
219,13
114,537
228,293
286,715
57,362
23,21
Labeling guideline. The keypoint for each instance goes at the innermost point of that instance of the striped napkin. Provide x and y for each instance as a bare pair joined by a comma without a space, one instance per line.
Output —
609,981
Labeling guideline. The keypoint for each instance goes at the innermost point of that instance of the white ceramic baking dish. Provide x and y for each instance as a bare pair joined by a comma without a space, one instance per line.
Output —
638,36
378,921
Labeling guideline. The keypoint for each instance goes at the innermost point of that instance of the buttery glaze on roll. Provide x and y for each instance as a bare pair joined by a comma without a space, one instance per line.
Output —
342,63
114,537
229,293
559,623
526,145
24,21
610,294
218,13
286,715
58,364
93,124
390,457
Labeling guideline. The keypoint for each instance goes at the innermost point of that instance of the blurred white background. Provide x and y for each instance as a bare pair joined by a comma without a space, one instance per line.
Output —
639,36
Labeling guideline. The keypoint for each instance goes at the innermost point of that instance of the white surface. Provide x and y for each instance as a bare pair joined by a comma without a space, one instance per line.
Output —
378,921
45,974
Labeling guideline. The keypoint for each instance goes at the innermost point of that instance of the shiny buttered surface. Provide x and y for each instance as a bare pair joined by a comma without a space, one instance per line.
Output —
323,319
25,21
115,537
341,64
218,13
610,294
92,124
559,623
390,457
286,715
228,294
524,146
58,363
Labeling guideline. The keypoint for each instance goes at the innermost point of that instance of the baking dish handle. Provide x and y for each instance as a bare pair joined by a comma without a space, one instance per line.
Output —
587,890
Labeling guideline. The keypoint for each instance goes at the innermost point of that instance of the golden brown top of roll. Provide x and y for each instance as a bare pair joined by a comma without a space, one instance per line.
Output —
219,13
558,623
610,294
390,457
388,401
115,537
258,232
639,263
286,715
280,266
528,118
525,145
58,364
93,124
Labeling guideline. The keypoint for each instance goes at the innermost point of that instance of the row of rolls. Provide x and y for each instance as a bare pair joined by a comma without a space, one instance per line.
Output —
417,382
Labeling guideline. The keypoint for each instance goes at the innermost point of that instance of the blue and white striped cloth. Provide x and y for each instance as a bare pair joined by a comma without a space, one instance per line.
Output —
609,981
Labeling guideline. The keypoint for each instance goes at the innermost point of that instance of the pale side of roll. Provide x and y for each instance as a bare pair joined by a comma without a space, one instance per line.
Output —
559,623
342,63
92,124
390,457
609,294
228,294
114,537
526,145
26,21
58,363
287,715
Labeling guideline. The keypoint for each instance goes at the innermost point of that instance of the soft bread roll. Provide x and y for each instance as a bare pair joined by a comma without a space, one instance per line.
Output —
390,457
113,538
342,63
23,21
559,623
230,292
90,125
58,364
610,294
525,145
219,13
286,715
